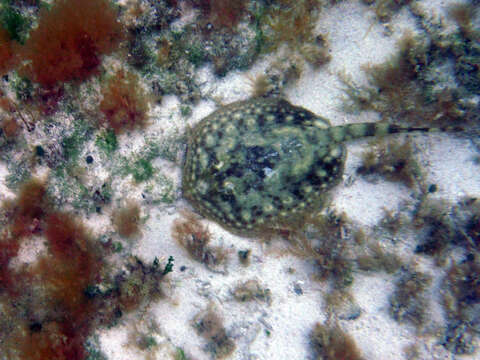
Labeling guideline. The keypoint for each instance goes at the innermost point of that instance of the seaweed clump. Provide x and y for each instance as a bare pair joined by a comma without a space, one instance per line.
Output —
69,41
447,226
9,127
292,23
124,104
251,290
463,15
54,301
8,56
209,325
431,81
136,287
194,237
377,259
127,220
145,16
392,160
331,343
408,303
461,301
221,13
59,313
386,9
436,217
324,242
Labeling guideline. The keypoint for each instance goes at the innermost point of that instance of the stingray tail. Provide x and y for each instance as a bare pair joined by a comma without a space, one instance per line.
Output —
360,130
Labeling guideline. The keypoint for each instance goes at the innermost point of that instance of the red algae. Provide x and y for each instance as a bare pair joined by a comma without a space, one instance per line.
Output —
31,199
124,103
9,123
63,277
62,234
194,237
222,13
74,265
29,209
69,41
51,290
23,215
52,305
10,127
54,341
47,98
8,57
127,220
8,249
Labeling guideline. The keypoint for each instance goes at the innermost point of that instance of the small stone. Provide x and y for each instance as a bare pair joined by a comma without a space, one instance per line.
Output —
297,288
39,151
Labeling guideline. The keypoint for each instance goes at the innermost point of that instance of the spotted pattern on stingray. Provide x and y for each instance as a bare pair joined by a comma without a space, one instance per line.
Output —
261,164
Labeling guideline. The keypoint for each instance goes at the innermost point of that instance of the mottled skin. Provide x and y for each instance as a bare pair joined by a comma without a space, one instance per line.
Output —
260,165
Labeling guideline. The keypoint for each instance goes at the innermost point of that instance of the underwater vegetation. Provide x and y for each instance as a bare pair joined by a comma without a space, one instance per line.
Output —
53,303
209,325
331,343
126,220
65,46
221,13
461,301
408,87
124,103
392,160
194,236
251,290
323,243
8,57
408,302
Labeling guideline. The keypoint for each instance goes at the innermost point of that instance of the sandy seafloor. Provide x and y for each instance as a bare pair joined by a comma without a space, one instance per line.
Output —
355,39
